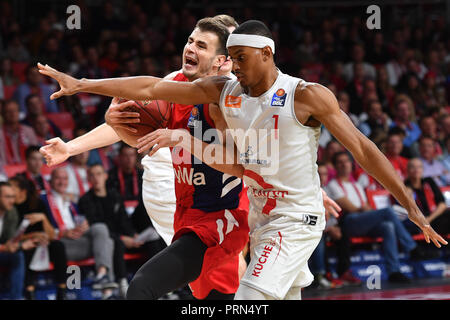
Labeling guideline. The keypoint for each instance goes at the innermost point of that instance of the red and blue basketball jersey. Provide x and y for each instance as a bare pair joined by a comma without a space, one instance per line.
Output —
197,185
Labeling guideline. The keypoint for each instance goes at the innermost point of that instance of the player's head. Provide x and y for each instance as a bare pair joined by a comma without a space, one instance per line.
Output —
251,48
227,21
205,50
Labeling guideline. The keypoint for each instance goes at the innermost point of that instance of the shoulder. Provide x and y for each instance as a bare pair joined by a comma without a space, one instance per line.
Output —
317,96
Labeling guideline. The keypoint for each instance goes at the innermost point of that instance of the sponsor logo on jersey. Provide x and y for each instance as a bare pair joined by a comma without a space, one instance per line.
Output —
194,118
268,194
233,101
248,157
278,98
184,175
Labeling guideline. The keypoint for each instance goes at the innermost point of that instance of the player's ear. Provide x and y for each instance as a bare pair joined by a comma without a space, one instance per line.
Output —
266,53
220,60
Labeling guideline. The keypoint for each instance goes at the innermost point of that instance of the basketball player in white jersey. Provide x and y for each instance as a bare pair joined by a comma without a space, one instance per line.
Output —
286,207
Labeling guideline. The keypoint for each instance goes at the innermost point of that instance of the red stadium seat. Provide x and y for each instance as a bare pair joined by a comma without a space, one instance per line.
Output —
19,70
64,121
12,169
8,91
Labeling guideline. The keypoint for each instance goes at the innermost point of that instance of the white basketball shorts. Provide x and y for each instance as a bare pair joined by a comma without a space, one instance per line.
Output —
280,249
160,204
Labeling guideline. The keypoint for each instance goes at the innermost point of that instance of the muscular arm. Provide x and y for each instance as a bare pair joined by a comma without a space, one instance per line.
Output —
203,90
319,103
222,156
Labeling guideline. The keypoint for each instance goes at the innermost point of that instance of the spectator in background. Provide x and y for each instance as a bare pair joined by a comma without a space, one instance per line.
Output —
31,207
432,167
359,219
16,49
318,260
404,117
394,147
101,205
7,75
42,129
11,254
91,68
34,85
429,199
355,89
446,155
332,148
377,120
77,172
80,240
385,91
126,178
110,61
35,161
35,108
344,103
358,55
15,137
428,126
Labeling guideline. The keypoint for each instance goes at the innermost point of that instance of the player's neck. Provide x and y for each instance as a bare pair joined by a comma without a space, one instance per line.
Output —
266,82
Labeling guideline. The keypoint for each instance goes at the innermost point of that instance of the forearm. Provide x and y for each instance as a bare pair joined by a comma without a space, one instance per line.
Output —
378,166
101,136
214,155
130,88
346,205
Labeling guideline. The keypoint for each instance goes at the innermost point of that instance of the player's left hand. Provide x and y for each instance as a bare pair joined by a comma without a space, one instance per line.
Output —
331,207
161,138
416,216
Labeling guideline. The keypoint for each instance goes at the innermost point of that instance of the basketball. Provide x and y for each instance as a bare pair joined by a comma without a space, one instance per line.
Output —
154,114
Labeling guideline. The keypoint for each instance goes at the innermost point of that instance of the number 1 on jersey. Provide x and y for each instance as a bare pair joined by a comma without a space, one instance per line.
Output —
275,116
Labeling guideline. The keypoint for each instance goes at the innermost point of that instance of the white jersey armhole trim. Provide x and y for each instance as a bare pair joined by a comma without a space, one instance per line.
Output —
222,98
304,85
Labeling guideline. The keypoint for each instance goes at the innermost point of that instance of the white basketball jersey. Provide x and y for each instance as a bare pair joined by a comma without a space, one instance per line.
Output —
278,153
159,166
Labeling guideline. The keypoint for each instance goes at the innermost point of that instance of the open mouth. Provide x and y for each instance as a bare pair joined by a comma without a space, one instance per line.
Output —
190,61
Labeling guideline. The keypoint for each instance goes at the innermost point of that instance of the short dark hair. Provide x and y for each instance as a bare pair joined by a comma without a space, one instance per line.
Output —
337,155
255,27
219,29
30,150
4,184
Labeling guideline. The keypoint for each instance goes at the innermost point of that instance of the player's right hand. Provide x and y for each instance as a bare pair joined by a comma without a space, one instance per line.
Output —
55,152
117,117
67,83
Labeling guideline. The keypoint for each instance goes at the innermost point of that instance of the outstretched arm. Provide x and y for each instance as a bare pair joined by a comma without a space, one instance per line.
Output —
203,90
320,103
221,156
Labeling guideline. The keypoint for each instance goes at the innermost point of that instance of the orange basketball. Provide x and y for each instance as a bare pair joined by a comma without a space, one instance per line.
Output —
154,114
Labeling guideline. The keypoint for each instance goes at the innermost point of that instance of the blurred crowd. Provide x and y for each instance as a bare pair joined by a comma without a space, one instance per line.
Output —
393,83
